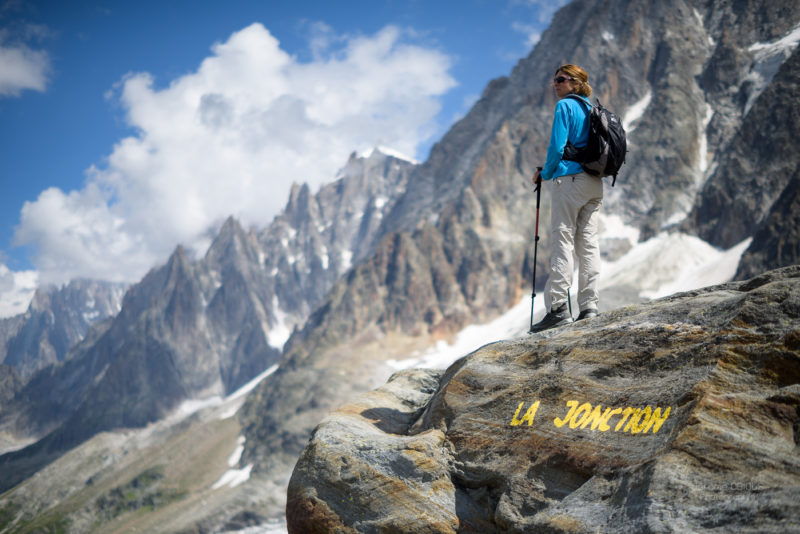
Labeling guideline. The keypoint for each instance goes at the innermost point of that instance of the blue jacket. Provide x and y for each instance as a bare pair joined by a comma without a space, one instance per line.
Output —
571,123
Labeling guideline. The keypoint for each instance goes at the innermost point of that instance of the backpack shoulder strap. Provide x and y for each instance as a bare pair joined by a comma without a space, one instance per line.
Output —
582,100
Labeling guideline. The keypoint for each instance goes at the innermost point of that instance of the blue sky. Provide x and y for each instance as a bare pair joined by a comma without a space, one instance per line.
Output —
129,127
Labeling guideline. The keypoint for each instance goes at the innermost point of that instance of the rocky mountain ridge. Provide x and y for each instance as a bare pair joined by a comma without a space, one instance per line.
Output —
193,329
57,318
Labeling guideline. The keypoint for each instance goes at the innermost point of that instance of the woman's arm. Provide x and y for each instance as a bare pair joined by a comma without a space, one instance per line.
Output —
558,140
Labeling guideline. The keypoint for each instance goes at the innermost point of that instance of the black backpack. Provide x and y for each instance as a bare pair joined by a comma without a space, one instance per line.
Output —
606,147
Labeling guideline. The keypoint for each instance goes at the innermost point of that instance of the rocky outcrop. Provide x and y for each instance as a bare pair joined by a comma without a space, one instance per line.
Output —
756,166
677,415
10,383
9,328
777,241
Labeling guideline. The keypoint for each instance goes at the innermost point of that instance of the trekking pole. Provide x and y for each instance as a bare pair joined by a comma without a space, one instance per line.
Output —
569,300
536,241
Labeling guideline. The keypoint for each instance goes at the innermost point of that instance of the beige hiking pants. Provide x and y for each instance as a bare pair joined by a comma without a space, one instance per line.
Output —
574,230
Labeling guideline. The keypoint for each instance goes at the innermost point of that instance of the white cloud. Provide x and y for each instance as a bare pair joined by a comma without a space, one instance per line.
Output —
229,139
542,12
544,8
17,289
532,33
22,68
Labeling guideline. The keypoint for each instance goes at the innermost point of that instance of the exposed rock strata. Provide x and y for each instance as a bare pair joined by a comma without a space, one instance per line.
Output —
756,166
777,241
471,451
10,383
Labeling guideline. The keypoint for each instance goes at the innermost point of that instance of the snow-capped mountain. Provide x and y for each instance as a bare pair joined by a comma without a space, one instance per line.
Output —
193,329
56,319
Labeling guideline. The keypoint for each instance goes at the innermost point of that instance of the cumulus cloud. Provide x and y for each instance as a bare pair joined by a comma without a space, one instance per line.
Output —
21,68
543,8
532,33
229,139
17,289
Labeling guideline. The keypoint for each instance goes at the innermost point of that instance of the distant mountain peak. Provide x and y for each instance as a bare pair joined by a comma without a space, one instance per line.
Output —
382,151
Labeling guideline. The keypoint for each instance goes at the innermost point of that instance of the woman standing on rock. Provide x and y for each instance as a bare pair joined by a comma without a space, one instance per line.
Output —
577,198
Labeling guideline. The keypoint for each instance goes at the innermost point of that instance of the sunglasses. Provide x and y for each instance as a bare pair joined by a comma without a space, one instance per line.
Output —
561,79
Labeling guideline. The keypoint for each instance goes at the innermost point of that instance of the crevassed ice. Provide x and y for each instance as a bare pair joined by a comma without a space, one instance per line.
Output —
279,334
635,112
785,44
234,477
236,455
703,149
768,57
347,259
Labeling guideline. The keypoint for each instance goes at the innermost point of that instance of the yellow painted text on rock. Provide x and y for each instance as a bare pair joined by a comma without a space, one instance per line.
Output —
585,415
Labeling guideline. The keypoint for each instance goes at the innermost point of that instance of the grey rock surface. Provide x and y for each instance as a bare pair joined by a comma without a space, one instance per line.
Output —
777,241
680,415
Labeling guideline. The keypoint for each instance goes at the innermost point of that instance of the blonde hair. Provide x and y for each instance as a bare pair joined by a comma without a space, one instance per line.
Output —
578,76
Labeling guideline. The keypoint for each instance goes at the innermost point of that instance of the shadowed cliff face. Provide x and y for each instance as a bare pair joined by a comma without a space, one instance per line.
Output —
678,415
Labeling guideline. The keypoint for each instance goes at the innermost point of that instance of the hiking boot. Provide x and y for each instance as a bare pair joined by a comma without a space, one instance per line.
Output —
588,314
555,317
